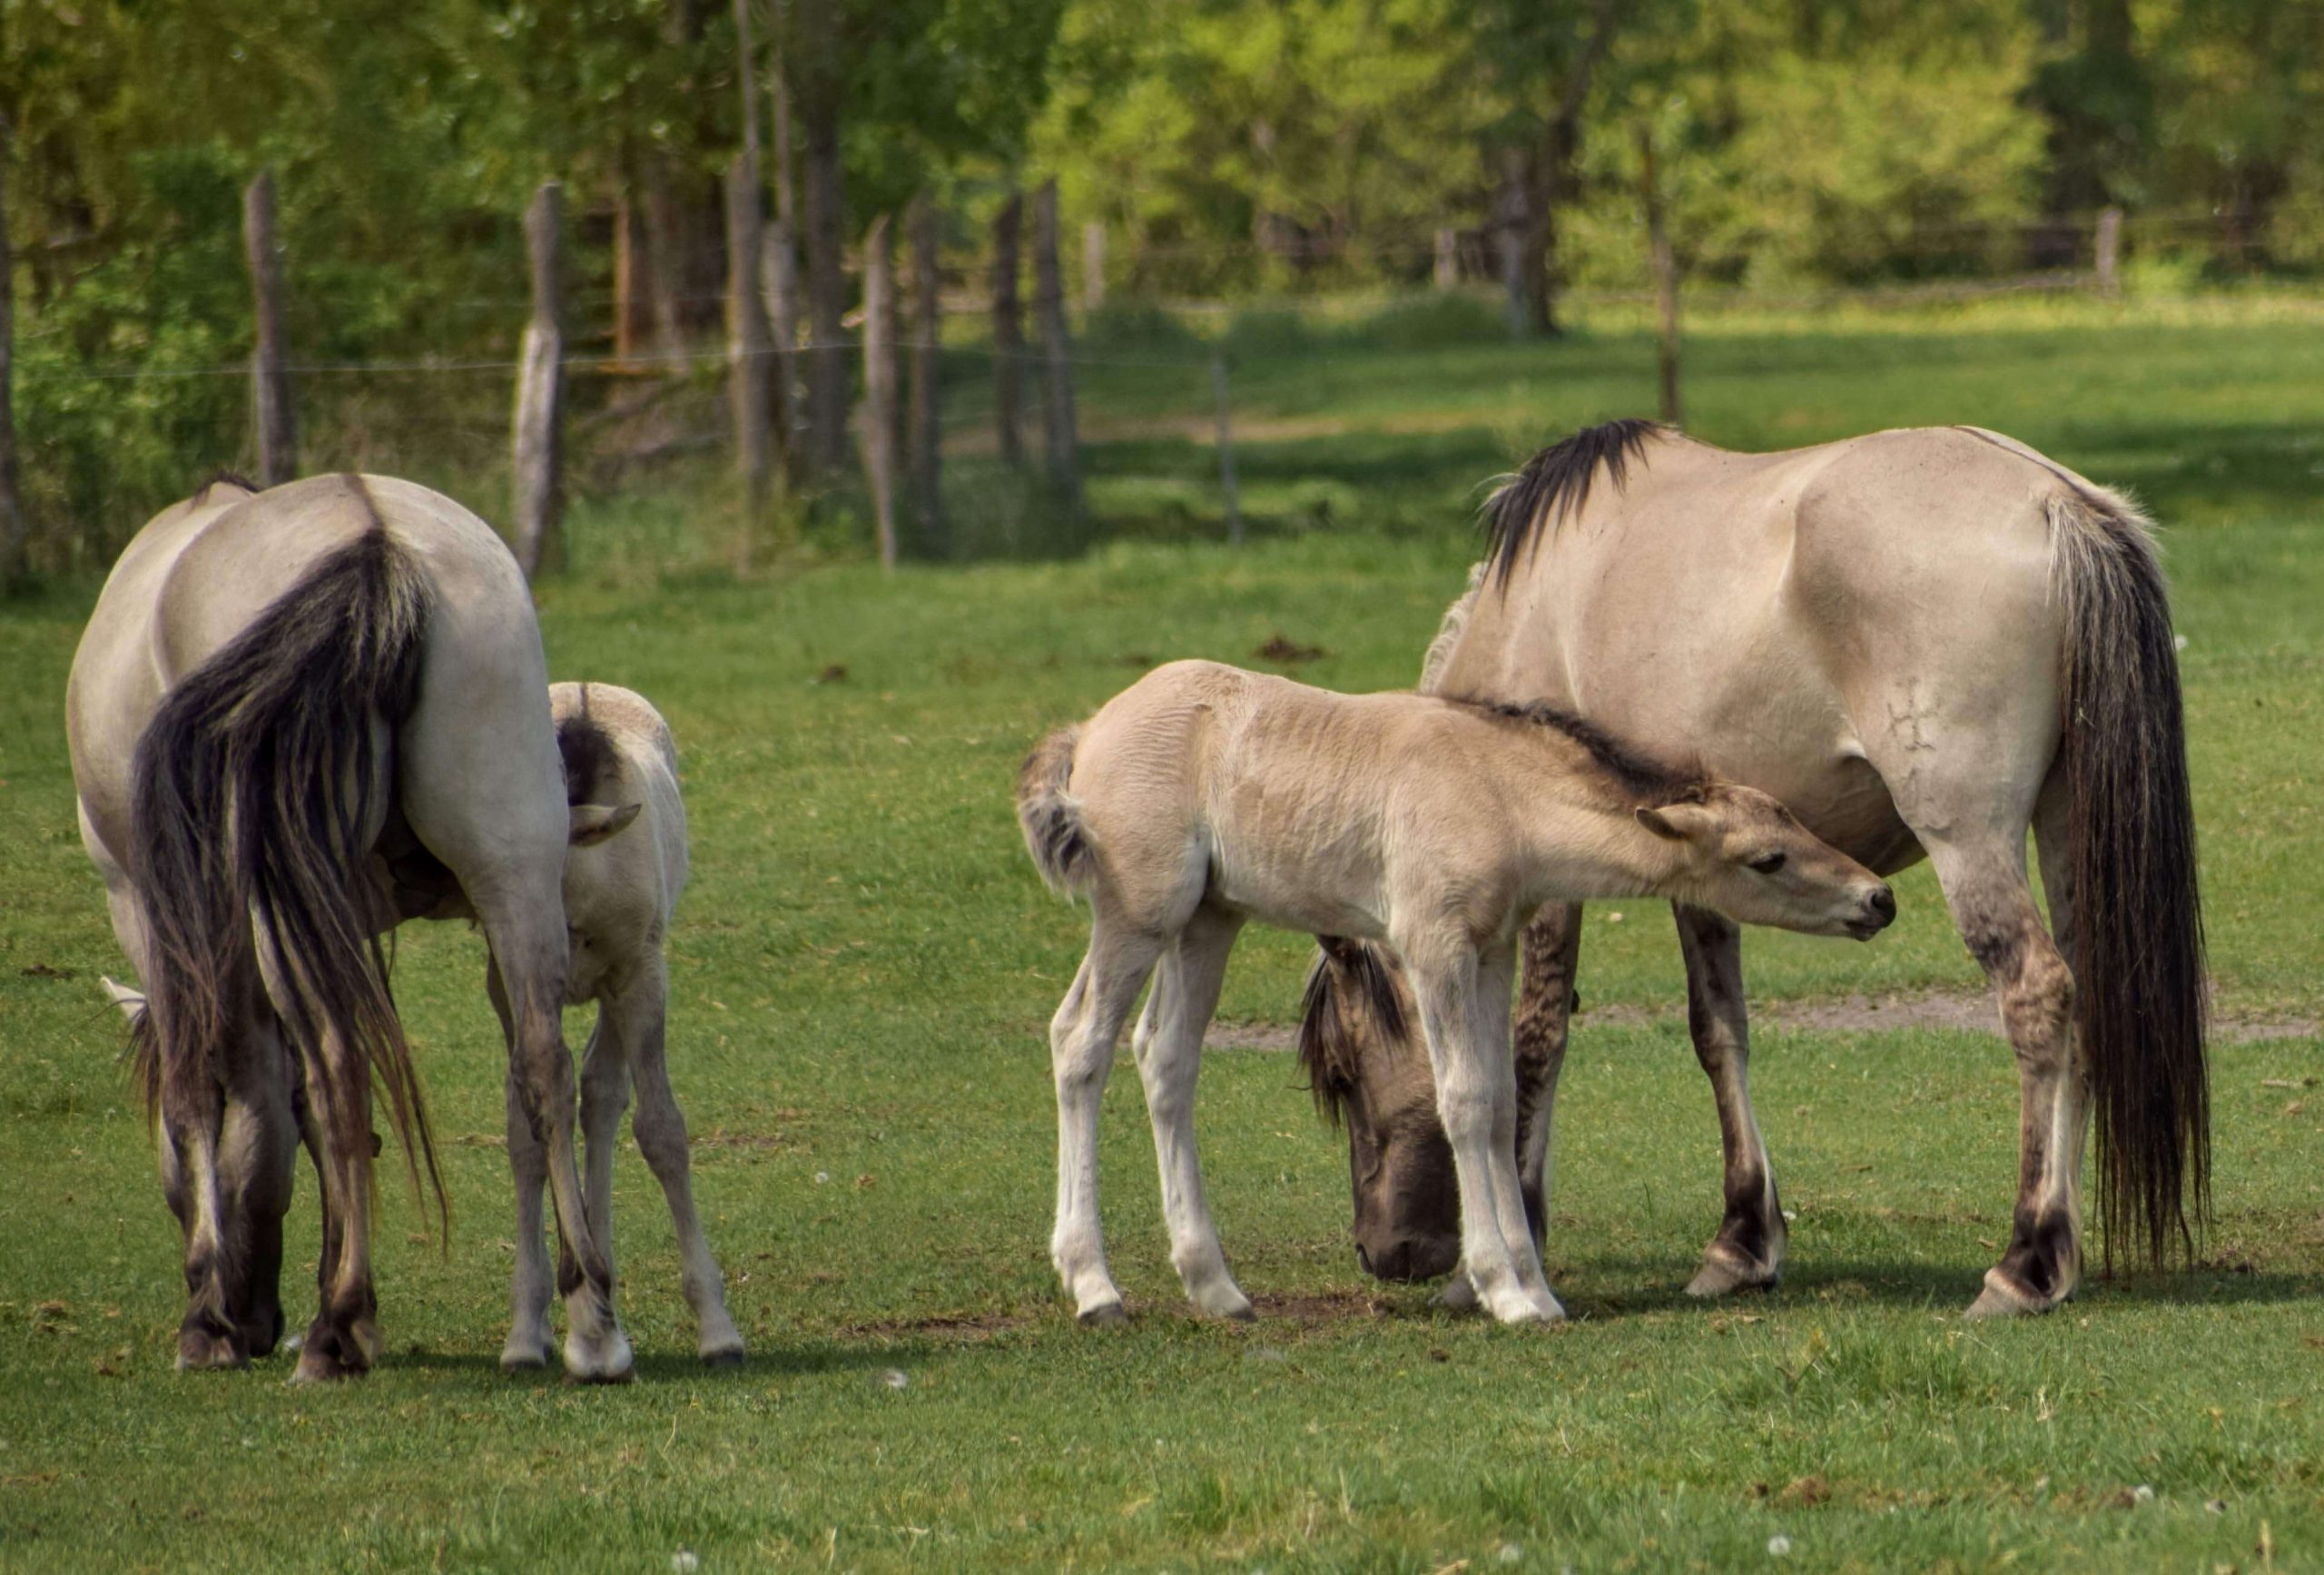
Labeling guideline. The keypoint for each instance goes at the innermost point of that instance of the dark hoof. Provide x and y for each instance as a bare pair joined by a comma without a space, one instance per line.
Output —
329,1354
200,1349
2003,1297
722,1360
600,1379
1106,1314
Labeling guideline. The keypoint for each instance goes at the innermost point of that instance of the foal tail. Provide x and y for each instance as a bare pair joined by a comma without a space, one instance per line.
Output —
2137,932
1054,835
253,791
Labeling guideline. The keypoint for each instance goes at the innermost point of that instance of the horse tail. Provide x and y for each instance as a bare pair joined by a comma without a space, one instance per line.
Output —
1351,993
253,790
2136,939
1051,818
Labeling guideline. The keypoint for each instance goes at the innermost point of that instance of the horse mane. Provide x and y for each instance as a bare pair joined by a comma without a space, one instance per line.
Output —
1556,483
591,761
1651,781
1449,633
1328,1053
223,477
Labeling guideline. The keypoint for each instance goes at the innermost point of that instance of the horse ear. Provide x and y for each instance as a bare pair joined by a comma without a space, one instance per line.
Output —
1677,823
593,823
130,1002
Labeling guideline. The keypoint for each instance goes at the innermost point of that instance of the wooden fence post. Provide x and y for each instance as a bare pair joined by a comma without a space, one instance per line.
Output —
1665,265
2109,250
749,349
1227,449
1093,265
879,430
924,438
1448,258
14,532
1008,331
278,448
536,470
1057,350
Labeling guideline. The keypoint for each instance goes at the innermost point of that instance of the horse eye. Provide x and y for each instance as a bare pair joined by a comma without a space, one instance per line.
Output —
1767,863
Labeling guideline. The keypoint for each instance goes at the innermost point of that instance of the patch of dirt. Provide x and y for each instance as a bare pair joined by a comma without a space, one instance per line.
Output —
1282,647
965,1328
1315,1308
1960,1011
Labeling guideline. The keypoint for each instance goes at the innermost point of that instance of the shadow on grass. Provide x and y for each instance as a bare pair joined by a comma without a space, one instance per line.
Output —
793,1358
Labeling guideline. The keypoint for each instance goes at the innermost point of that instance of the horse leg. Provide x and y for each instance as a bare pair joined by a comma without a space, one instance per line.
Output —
1747,1251
258,1152
1544,1014
529,1339
1992,906
1082,1035
1169,1049
604,1097
1463,997
636,1016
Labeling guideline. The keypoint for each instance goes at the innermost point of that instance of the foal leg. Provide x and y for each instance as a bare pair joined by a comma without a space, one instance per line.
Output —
636,1015
605,1099
529,1340
1747,1251
1168,1047
1463,997
1082,1035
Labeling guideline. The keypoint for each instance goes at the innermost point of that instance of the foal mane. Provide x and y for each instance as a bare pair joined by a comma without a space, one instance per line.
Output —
1651,781
1556,483
1331,1055
591,761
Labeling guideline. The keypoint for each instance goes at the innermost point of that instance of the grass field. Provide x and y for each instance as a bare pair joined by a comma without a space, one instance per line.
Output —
865,963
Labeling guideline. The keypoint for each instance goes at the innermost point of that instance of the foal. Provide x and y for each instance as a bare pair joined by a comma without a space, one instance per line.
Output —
1203,796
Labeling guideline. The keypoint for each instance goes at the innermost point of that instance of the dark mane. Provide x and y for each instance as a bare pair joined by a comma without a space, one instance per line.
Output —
1556,483
1651,781
224,479
590,759
1329,1054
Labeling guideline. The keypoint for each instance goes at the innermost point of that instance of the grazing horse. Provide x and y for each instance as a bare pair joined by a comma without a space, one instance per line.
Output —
1924,642
1203,796
274,687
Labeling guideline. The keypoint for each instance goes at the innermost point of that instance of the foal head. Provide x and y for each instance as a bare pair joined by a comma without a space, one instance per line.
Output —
1358,1040
1743,854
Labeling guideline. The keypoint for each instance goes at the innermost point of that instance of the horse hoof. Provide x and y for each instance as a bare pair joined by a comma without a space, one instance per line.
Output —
518,1359
606,1380
729,1360
609,1363
2000,1299
1105,1314
317,1365
1721,1275
200,1349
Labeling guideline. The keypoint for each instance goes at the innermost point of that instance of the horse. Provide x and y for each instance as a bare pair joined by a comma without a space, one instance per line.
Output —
620,892
275,690
1203,796
1925,642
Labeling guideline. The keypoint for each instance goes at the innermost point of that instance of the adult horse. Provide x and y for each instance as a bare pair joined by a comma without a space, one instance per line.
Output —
1924,643
276,688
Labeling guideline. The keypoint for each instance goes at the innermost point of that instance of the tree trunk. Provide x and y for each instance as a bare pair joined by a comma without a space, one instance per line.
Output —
278,445
1664,264
749,348
1057,351
1008,331
538,483
779,277
822,84
779,85
633,312
880,384
14,533
665,269
924,437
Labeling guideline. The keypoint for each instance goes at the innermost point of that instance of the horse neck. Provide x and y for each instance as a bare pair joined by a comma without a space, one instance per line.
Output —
1577,826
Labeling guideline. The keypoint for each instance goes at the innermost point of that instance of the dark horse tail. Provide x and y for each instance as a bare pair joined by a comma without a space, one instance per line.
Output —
2135,943
254,788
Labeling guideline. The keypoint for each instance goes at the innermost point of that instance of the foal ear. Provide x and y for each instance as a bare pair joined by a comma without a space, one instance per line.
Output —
593,823
1677,823
131,1001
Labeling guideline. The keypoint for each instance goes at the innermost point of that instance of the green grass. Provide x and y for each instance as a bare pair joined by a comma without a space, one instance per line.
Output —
864,966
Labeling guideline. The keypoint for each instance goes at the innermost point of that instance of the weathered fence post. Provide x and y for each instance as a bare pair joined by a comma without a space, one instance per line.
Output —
749,349
1008,331
1665,265
536,470
923,438
278,455
1447,272
1057,350
1226,448
2109,250
14,531
879,430
1093,265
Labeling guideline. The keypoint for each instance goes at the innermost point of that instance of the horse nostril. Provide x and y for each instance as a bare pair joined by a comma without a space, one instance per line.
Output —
1884,904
